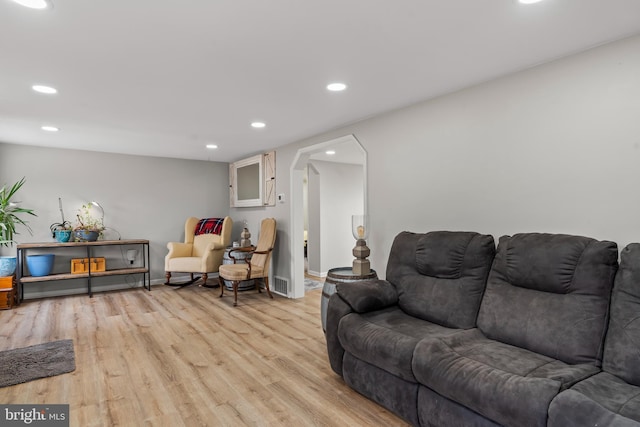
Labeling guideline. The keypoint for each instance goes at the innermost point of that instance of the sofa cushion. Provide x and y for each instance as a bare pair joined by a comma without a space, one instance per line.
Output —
602,400
509,385
549,293
397,395
386,338
441,253
435,410
440,276
622,344
183,264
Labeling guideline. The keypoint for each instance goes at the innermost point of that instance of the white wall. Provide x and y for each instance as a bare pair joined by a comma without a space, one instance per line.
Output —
552,149
314,237
555,148
143,197
340,191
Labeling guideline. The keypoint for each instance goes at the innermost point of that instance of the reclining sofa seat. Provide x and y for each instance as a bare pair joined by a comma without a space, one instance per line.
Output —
611,397
433,287
540,330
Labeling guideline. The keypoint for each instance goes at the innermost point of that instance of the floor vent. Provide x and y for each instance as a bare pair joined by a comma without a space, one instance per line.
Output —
281,285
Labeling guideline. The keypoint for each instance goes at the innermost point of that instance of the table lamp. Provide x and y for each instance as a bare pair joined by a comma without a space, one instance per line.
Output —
360,230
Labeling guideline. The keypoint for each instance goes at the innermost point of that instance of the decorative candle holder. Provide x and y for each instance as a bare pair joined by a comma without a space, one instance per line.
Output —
245,237
360,230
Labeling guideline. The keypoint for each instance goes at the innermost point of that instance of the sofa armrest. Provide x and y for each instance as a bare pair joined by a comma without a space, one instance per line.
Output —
368,295
212,257
353,297
336,310
178,250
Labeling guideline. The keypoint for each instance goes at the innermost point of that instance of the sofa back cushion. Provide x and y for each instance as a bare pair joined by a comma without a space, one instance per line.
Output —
549,293
440,276
622,344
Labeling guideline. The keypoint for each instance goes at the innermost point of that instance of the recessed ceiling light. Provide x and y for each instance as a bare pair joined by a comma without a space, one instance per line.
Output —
50,128
330,152
336,87
212,146
529,1
44,89
34,4
258,125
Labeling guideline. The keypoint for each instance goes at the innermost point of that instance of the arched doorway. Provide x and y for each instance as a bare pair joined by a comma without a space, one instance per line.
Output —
348,150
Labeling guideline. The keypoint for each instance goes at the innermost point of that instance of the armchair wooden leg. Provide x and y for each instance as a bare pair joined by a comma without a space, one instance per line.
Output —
221,285
235,292
266,285
167,276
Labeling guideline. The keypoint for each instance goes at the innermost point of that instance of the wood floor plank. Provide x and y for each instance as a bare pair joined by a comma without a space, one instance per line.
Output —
185,357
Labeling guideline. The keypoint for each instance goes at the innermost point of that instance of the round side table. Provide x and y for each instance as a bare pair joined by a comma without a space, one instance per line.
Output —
337,276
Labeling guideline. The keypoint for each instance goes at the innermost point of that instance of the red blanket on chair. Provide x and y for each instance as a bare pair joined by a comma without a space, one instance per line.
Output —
209,226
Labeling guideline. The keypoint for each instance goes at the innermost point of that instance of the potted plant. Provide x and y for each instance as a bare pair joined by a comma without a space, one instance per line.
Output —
88,227
61,231
10,217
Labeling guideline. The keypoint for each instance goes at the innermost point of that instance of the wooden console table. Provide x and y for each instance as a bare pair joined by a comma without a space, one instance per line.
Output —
21,279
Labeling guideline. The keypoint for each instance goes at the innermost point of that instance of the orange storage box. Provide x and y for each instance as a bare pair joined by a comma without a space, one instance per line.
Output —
7,299
81,265
6,282
7,293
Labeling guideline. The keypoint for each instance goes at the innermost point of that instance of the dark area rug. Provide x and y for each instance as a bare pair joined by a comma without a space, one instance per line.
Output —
37,361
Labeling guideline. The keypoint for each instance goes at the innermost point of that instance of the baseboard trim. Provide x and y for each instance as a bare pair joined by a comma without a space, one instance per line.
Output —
317,274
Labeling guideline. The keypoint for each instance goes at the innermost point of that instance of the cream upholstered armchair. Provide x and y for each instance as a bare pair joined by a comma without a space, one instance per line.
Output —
257,266
205,241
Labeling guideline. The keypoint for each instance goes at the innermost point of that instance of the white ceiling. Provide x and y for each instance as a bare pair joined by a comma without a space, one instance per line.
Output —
165,77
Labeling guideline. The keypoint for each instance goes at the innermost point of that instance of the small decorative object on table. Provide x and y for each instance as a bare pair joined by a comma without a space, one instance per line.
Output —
245,237
62,235
90,223
360,230
61,231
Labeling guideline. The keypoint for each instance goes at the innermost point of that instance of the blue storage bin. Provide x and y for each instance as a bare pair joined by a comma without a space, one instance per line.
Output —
40,265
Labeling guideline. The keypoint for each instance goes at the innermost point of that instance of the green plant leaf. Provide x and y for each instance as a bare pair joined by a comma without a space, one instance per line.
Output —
9,213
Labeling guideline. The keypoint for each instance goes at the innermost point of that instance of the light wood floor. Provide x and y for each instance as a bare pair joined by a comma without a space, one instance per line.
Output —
188,358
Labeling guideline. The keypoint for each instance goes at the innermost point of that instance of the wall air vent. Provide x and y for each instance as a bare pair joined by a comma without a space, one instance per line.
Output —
280,286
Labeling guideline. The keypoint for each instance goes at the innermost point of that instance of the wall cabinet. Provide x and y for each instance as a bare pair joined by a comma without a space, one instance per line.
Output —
92,250
252,181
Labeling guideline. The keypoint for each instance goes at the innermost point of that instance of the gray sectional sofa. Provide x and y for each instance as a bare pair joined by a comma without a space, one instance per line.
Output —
462,334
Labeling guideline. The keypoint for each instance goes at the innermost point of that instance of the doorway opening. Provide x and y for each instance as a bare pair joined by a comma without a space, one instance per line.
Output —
323,208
